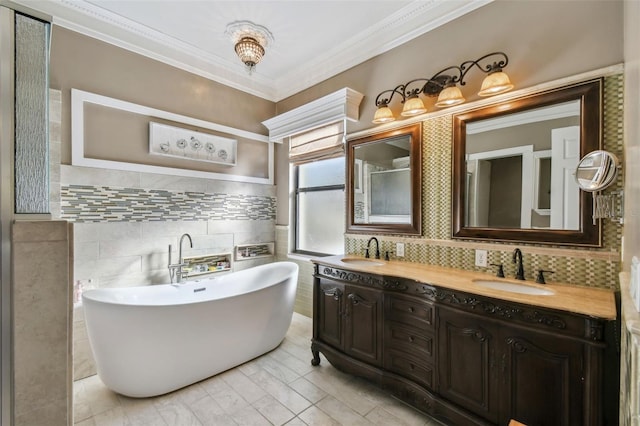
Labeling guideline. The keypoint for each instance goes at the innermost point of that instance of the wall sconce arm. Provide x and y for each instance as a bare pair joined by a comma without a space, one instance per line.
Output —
489,68
383,102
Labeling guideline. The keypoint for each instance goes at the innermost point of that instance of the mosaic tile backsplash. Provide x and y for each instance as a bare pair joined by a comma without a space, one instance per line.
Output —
108,204
581,266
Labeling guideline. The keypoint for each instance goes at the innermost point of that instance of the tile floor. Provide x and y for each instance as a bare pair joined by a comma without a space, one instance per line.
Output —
281,387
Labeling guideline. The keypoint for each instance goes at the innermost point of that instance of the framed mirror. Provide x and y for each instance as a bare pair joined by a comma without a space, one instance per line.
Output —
514,167
384,182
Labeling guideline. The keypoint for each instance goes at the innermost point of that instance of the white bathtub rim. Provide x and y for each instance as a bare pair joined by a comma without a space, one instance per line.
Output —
94,295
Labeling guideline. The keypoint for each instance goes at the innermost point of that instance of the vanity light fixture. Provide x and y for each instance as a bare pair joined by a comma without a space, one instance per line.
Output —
444,84
413,106
250,42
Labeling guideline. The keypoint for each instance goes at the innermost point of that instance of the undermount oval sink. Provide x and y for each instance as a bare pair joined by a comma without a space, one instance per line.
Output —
514,287
362,262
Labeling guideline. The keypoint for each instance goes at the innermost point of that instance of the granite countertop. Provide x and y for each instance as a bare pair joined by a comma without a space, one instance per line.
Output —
593,302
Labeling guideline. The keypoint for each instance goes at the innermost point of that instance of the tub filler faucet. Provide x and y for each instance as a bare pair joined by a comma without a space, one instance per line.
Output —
175,269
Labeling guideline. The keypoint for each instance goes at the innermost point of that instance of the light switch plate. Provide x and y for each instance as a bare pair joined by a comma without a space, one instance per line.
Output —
481,258
400,249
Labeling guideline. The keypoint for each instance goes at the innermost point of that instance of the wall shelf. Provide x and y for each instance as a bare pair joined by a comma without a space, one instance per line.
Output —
254,251
208,264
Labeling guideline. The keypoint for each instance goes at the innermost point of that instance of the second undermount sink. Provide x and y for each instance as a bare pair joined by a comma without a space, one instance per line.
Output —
514,287
362,262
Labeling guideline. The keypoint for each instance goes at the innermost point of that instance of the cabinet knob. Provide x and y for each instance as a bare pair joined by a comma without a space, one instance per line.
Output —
411,309
411,339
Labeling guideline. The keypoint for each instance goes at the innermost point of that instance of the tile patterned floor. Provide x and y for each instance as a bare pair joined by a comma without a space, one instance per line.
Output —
279,388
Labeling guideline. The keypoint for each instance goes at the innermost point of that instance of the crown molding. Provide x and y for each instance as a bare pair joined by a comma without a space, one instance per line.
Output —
339,105
415,19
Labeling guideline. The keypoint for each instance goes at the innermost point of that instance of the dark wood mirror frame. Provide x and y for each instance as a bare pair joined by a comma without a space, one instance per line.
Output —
590,95
413,228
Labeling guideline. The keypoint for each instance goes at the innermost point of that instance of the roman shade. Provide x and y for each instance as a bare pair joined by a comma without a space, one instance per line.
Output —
320,143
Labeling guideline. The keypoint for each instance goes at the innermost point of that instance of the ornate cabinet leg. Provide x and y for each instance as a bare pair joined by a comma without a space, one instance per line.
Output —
316,357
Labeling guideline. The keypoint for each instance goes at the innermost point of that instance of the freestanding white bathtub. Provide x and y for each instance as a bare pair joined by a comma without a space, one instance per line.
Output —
151,340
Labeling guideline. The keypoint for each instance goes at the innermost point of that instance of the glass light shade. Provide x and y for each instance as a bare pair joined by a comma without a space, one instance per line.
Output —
383,115
413,106
249,51
495,83
450,96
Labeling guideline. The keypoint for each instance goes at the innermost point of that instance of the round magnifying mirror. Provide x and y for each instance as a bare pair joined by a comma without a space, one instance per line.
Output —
597,170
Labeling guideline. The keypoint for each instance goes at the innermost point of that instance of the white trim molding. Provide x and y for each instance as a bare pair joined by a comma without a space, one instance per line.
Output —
545,113
336,106
78,100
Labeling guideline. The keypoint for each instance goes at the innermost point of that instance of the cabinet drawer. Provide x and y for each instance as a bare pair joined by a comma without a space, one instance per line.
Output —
410,310
410,367
410,339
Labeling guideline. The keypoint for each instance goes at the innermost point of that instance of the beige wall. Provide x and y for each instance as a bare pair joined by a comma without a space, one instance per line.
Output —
80,62
631,246
117,135
584,36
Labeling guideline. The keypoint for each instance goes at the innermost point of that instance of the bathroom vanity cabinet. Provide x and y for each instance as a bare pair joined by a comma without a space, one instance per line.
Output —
349,320
501,372
464,358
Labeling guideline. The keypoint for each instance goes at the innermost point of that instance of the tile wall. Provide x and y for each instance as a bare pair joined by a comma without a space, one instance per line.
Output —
304,294
124,222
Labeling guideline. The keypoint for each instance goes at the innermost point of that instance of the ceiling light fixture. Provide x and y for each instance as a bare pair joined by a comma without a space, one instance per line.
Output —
444,84
250,41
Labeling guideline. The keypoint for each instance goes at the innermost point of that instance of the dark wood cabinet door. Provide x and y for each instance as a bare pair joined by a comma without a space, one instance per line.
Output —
543,379
467,355
363,324
330,297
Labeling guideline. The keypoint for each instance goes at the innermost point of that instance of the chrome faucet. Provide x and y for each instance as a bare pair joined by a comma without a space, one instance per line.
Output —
517,258
181,263
177,267
366,252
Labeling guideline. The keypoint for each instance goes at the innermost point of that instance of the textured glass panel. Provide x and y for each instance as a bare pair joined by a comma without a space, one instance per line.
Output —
321,173
31,120
321,221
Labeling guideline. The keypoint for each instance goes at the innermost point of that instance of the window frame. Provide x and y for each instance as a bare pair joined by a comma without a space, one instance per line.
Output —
296,211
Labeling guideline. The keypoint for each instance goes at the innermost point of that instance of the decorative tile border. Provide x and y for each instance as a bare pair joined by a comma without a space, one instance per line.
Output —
81,203
571,265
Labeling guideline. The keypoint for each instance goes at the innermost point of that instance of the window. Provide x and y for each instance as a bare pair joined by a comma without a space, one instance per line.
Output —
319,207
